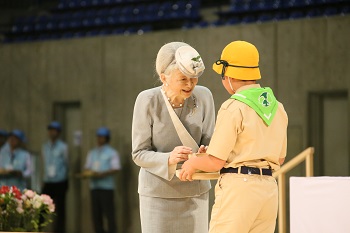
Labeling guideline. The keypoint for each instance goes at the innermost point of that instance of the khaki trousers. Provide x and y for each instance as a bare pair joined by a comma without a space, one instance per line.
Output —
244,203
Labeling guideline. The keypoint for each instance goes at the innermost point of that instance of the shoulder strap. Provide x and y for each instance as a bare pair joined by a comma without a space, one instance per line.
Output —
185,137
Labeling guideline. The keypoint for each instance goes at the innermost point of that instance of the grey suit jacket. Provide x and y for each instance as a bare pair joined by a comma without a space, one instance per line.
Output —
154,137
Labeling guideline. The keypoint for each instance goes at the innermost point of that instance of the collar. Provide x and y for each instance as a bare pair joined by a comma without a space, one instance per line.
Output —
246,87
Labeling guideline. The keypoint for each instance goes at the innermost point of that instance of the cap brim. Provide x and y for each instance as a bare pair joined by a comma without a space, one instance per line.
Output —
239,73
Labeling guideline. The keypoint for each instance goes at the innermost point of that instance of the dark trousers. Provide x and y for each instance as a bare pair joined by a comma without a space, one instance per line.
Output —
57,191
102,202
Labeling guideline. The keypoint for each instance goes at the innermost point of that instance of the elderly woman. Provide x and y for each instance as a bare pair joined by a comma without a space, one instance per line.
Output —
166,203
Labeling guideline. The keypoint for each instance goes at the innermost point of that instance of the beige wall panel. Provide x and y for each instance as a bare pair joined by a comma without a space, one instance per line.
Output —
62,69
5,87
289,71
39,112
312,59
263,36
337,56
23,65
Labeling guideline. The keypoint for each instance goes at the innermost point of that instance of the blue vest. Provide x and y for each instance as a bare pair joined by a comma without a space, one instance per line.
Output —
56,164
14,161
99,160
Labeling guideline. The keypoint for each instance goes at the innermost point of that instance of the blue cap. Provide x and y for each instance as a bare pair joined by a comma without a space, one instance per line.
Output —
3,133
55,125
19,134
103,131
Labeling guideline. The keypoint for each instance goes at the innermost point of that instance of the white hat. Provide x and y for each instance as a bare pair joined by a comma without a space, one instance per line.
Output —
189,62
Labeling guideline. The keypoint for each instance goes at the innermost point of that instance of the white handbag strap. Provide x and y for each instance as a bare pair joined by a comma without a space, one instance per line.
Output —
185,137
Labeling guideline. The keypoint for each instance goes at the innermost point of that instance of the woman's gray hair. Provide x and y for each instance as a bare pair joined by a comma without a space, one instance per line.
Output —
165,62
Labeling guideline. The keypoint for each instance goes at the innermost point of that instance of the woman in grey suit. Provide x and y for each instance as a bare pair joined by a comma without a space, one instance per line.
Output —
168,205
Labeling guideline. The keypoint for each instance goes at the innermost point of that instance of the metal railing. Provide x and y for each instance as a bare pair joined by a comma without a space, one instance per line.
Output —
306,155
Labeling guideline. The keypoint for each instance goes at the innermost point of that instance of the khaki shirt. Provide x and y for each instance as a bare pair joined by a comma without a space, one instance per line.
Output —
242,138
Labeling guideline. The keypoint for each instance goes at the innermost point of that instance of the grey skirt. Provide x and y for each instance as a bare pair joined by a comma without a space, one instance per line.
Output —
174,215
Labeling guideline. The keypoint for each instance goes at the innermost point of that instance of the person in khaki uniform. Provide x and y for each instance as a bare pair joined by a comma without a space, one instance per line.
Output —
248,144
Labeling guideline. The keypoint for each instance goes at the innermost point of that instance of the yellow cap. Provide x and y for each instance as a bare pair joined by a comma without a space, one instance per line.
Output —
239,60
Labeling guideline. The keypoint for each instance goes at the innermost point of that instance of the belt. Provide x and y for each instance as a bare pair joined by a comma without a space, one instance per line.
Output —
248,170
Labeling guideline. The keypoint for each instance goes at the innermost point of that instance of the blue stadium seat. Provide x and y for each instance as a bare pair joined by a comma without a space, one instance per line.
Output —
127,10
83,3
102,13
144,29
28,28
90,13
295,3
309,2
114,11
248,19
166,6
276,4
104,32
193,4
77,15
63,24
67,35
99,21
112,20
51,25
233,20
324,1
73,4
17,28
202,24
241,6
88,22
296,15
40,26
265,17
152,8
188,25
96,2
180,4
218,23
329,11
130,30
259,4
79,34
280,16
117,31
75,23
345,10
107,2
314,12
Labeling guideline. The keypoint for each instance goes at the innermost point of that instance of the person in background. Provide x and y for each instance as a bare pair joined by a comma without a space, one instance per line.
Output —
15,162
55,157
3,137
102,163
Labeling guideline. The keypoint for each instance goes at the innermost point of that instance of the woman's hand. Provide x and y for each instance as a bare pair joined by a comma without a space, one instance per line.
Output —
179,154
202,149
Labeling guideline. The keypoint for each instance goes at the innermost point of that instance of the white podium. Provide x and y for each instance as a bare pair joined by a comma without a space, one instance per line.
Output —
319,204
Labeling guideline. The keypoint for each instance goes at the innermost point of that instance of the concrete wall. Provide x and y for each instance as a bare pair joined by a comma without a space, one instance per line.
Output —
106,74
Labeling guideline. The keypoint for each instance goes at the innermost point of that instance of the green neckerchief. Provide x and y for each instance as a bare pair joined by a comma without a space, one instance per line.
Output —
261,99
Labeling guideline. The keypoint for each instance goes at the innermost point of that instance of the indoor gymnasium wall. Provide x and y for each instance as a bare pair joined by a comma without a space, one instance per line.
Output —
105,74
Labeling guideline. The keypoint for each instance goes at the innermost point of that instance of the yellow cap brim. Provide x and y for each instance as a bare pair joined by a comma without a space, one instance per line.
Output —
239,73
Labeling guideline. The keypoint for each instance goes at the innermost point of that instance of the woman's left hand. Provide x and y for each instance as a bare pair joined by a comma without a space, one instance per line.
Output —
202,149
186,171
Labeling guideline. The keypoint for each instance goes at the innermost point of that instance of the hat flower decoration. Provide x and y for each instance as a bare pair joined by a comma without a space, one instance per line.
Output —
189,61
